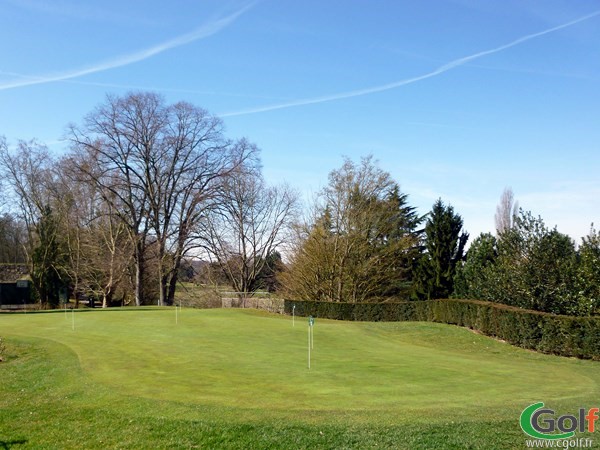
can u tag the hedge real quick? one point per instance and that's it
(543, 332)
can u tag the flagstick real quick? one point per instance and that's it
(73, 319)
(309, 346)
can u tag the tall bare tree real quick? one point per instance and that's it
(118, 141)
(189, 173)
(249, 222)
(98, 252)
(506, 212)
(107, 253)
(158, 165)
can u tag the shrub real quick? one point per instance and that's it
(548, 333)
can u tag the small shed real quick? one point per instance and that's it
(15, 286)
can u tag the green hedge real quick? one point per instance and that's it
(548, 333)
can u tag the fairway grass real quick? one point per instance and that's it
(134, 378)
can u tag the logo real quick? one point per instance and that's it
(540, 423)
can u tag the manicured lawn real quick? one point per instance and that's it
(133, 378)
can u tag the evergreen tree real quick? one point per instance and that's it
(445, 244)
(475, 278)
(532, 267)
(588, 273)
(402, 234)
(535, 268)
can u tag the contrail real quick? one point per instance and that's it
(386, 87)
(202, 32)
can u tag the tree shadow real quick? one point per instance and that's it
(6, 445)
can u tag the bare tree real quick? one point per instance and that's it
(188, 175)
(3, 191)
(107, 254)
(28, 171)
(250, 221)
(506, 211)
(158, 166)
(98, 251)
(12, 231)
(118, 142)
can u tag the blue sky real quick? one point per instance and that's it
(457, 99)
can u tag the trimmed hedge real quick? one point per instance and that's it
(548, 333)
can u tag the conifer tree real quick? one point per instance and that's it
(445, 244)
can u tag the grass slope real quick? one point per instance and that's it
(239, 379)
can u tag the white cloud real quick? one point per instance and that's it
(385, 87)
(204, 31)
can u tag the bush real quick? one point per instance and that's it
(548, 333)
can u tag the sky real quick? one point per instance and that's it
(457, 99)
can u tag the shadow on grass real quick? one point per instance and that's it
(10, 444)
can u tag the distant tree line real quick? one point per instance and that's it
(366, 243)
(146, 187)
(531, 266)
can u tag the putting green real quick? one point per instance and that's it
(248, 361)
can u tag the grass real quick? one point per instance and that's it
(133, 378)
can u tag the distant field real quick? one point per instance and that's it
(133, 378)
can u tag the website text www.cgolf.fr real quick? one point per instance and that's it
(561, 443)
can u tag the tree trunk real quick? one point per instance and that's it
(107, 292)
(139, 273)
(172, 286)
(162, 286)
